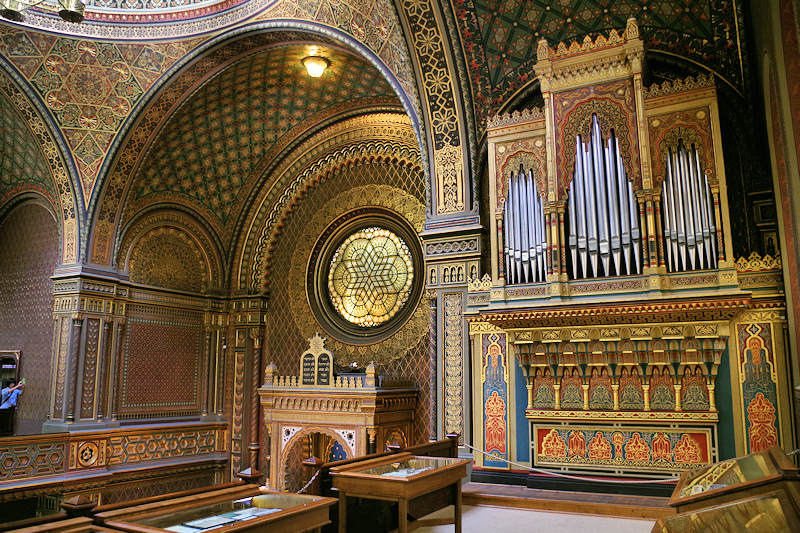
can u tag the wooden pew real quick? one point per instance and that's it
(372, 516)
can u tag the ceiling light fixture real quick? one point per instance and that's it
(69, 10)
(315, 65)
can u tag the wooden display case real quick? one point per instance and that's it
(236, 509)
(400, 478)
(756, 492)
(771, 512)
(737, 478)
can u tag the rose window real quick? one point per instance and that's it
(370, 277)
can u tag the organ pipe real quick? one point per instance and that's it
(524, 230)
(690, 232)
(604, 235)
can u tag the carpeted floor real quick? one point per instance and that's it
(486, 519)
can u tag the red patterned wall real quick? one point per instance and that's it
(28, 256)
(161, 363)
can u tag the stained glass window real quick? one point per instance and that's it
(370, 276)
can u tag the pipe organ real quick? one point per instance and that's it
(525, 243)
(603, 217)
(614, 332)
(688, 212)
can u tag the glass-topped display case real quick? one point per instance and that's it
(734, 479)
(407, 468)
(767, 513)
(400, 478)
(236, 509)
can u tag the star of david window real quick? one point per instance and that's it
(363, 278)
(370, 276)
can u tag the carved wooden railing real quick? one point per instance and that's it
(33, 461)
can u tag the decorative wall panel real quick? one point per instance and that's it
(150, 446)
(157, 486)
(90, 453)
(758, 377)
(169, 258)
(453, 363)
(29, 240)
(495, 368)
(90, 363)
(23, 460)
(157, 339)
(624, 448)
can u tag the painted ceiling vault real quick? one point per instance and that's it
(89, 87)
(207, 155)
(23, 166)
(499, 37)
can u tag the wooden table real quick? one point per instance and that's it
(400, 478)
(298, 513)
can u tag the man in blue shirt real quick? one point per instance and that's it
(10, 394)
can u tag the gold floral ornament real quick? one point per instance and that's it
(370, 277)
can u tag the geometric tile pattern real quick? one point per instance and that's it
(29, 460)
(26, 304)
(146, 390)
(364, 137)
(89, 86)
(151, 5)
(499, 37)
(63, 187)
(128, 449)
(213, 143)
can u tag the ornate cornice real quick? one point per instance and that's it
(756, 263)
(515, 117)
(669, 87)
(724, 308)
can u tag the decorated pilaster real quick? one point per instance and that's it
(247, 353)
(89, 317)
(451, 261)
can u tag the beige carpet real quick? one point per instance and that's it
(486, 519)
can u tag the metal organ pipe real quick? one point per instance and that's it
(603, 213)
(526, 241)
(690, 233)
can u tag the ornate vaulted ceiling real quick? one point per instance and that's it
(23, 166)
(499, 37)
(214, 148)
